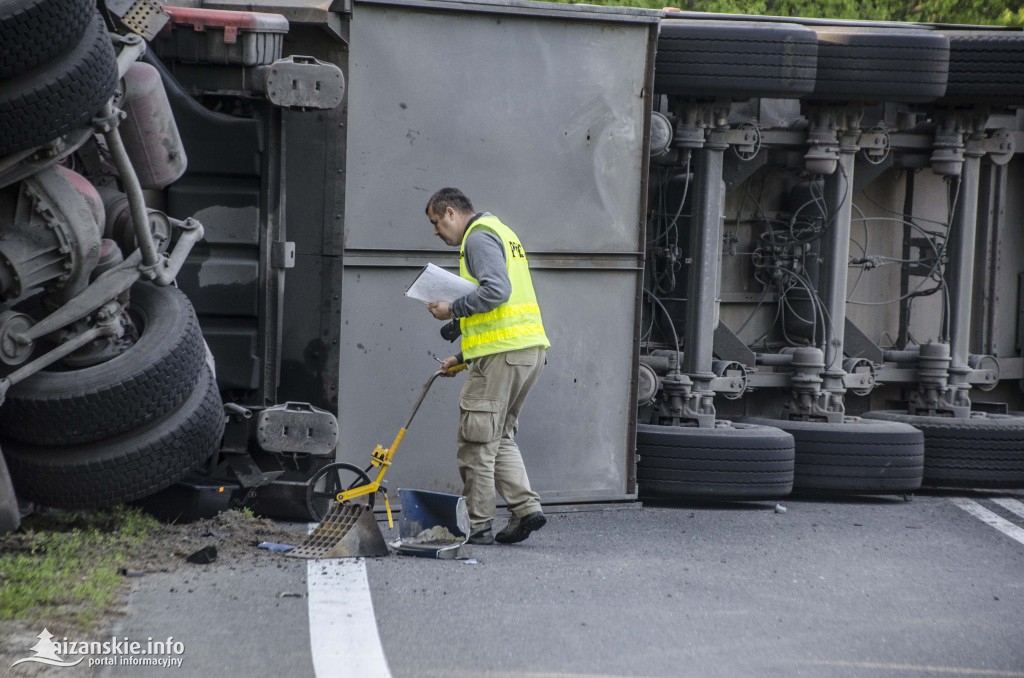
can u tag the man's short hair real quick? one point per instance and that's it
(449, 197)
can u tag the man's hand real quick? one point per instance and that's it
(440, 310)
(447, 364)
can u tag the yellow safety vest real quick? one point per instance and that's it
(516, 323)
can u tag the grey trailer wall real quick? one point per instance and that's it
(540, 114)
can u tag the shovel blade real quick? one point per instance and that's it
(349, 530)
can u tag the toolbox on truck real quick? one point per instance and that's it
(216, 36)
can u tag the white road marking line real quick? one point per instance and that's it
(904, 668)
(478, 673)
(989, 518)
(343, 634)
(1011, 505)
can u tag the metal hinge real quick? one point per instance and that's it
(282, 254)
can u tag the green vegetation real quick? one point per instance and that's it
(66, 565)
(988, 12)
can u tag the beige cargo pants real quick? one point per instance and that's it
(488, 457)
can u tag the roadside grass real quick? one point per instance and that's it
(65, 564)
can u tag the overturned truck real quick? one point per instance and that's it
(838, 254)
(775, 254)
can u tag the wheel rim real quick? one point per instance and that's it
(325, 484)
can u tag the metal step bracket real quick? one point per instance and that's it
(297, 427)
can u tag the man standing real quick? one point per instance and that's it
(503, 339)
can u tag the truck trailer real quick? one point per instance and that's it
(774, 254)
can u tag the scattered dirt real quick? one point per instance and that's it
(439, 534)
(234, 534)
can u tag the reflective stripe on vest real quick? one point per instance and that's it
(516, 323)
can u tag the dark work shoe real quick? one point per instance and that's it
(482, 536)
(519, 529)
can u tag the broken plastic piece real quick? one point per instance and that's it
(203, 556)
(274, 546)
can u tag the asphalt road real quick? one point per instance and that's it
(859, 587)
(868, 587)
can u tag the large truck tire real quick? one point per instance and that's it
(985, 451)
(985, 66)
(34, 31)
(737, 462)
(857, 457)
(131, 466)
(872, 64)
(151, 378)
(67, 92)
(10, 514)
(740, 59)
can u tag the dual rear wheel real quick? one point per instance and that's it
(123, 429)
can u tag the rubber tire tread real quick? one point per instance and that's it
(734, 59)
(744, 462)
(142, 384)
(131, 466)
(866, 457)
(47, 102)
(33, 32)
(986, 66)
(981, 452)
(863, 64)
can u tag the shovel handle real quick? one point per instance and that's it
(426, 387)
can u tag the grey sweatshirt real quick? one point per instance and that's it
(485, 260)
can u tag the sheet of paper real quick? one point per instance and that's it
(436, 284)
